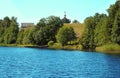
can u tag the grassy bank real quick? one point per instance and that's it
(109, 48)
(73, 47)
(9, 45)
(66, 47)
(17, 45)
(24, 45)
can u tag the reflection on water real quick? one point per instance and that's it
(43, 63)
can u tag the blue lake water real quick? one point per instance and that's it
(43, 63)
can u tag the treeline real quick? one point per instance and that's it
(44, 31)
(102, 29)
(8, 30)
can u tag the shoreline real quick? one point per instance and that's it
(43, 46)
(110, 52)
(47, 47)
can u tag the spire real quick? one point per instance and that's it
(65, 20)
(65, 14)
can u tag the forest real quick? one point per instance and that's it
(102, 29)
(101, 32)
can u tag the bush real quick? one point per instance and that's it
(109, 47)
(57, 46)
(50, 43)
(73, 47)
(53, 45)
(73, 42)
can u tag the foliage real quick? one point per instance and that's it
(25, 36)
(102, 29)
(20, 37)
(75, 21)
(73, 42)
(41, 36)
(50, 43)
(88, 35)
(78, 28)
(99, 30)
(65, 34)
(46, 30)
(57, 46)
(108, 47)
(101, 35)
(115, 37)
(73, 47)
(8, 30)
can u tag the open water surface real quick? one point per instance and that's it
(18, 62)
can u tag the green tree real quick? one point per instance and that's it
(10, 36)
(6, 22)
(65, 35)
(41, 36)
(1, 31)
(75, 21)
(20, 37)
(101, 35)
(116, 29)
(112, 11)
(41, 23)
(26, 39)
(46, 30)
(88, 35)
(26, 36)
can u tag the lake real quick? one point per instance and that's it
(18, 62)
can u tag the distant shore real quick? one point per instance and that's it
(65, 48)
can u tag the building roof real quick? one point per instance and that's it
(24, 25)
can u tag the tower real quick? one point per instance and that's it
(65, 20)
(65, 14)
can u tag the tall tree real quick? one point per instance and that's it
(112, 11)
(46, 30)
(88, 35)
(41, 23)
(101, 35)
(11, 32)
(116, 29)
(6, 22)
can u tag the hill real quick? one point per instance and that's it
(78, 28)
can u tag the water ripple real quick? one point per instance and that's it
(42, 63)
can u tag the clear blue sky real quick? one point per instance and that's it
(33, 10)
